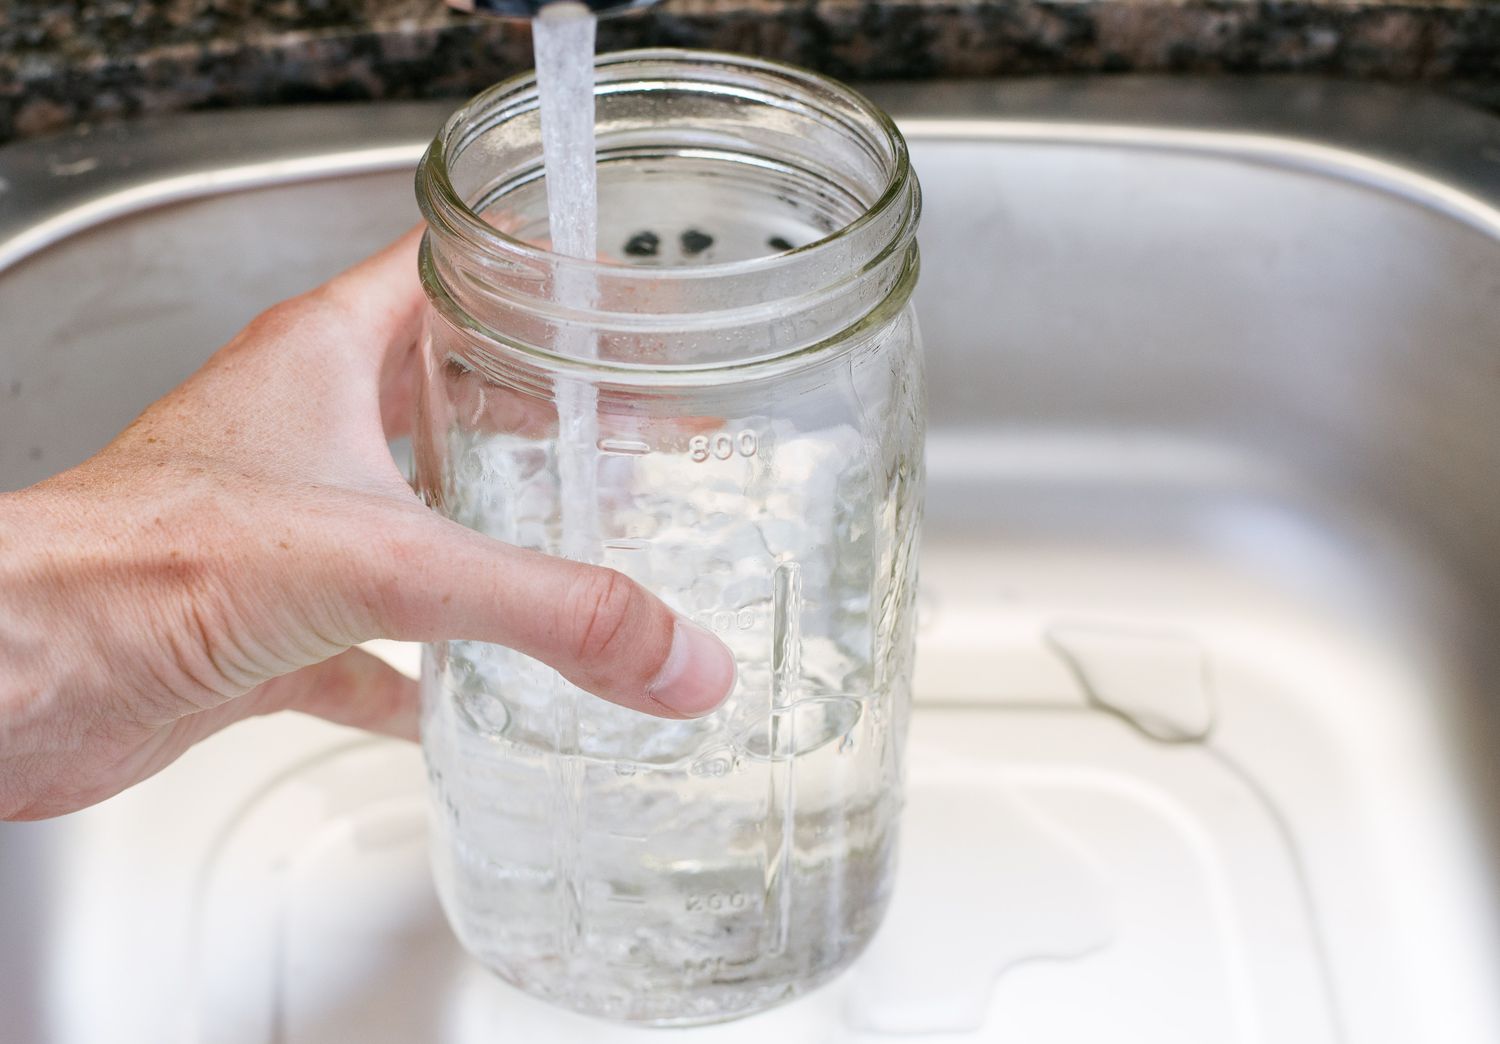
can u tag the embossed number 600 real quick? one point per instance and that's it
(723, 445)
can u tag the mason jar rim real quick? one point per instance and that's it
(446, 208)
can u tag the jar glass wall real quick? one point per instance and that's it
(742, 435)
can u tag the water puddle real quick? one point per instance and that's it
(1158, 682)
(1015, 888)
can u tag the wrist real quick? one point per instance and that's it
(29, 541)
(28, 685)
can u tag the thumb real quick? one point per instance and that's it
(598, 628)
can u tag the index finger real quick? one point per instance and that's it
(383, 297)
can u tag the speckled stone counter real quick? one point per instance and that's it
(62, 63)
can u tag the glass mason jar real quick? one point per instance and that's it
(733, 416)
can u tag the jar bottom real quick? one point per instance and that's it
(678, 207)
(657, 1006)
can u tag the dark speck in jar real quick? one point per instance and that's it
(643, 244)
(777, 243)
(695, 242)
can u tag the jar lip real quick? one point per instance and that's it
(680, 375)
(446, 208)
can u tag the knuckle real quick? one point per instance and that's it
(333, 299)
(604, 605)
(308, 318)
(281, 318)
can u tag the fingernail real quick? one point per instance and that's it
(698, 675)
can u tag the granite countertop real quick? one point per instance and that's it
(63, 63)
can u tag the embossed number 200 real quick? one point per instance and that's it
(723, 445)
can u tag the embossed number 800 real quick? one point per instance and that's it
(723, 445)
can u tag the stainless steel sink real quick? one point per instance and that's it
(1206, 733)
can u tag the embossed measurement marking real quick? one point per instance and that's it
(626, 447)
(716, 902)
(625, 544)
(723, 445)
(727, 619)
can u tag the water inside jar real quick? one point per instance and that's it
(673, 871)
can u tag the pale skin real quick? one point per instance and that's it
(221, 556)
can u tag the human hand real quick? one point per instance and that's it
(220, 557)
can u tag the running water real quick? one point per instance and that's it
(564, 38)
(563, 34)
